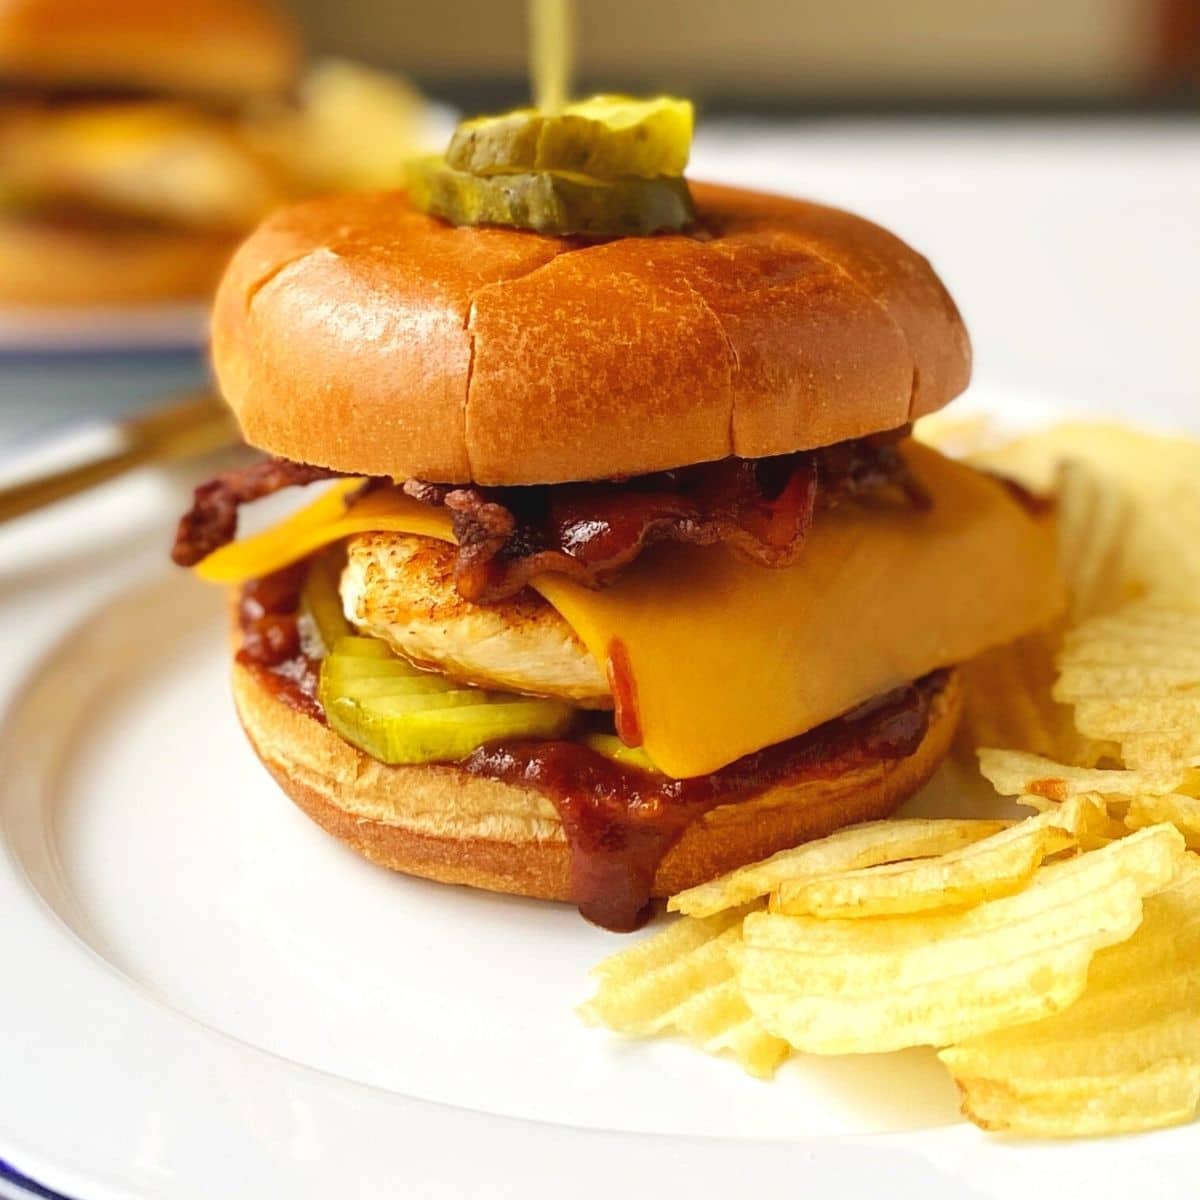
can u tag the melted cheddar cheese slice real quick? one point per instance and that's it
(726, 657)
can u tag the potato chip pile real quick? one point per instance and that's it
(1054, 960)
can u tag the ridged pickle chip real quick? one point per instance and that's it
(682, 981)
(875, 984)
(996, 866)
(397, 713)
(606, 137)
(856, 846)
(609, 746)
(1125, 1057)
(321, 604)
(552, 202)
(1133, 677)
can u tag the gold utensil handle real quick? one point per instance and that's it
(197, 424)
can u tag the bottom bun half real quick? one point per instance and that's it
(439, 822)
(49, 263)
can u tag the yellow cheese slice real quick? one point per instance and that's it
(727, 657)
(326, 520)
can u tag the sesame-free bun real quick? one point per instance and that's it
(221, 48)
(440, 822)
(55, 263)
(357, 333)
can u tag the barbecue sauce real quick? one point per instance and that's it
(273, 639)
(620, 822)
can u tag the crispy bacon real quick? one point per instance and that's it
(589, 532)
(211, 522)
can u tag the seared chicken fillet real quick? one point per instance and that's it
(400, 587)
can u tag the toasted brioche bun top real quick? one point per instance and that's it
(222, 48)
(359, 334)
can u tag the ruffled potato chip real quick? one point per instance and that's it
(865, 845)
(1181, 811)
(1133, 678)
(875, 984)
(1125, 1057)
(996, 866)
(1013, 773)
(682, 981)
(1094, 519)
(1007, 702)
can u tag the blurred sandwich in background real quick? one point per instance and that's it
(141, 139)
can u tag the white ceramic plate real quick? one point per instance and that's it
(201, 994)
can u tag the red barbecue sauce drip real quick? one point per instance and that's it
(273, 641)
(621, 822)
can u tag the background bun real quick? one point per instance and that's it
(43, 262)
(441, 823)
(359, 334)
(224, 48)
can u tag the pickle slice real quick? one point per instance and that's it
(321, 603)
(397, 713)
(348, 667)
(361, 676)
(448, 733)
(382, 687)
(366, 647)
(362, 666)
(611, 747)
(606, 137)
(551, 202)
(412, 730)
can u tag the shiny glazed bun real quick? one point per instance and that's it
(357, 333)
(440, 822)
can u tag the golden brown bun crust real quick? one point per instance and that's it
(46, 263)
(441, 823)
(220, 48)
(357, 333)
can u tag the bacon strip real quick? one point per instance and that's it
(211, 522)
(589, 532)
(761, 508)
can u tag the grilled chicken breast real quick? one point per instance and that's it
(400, 587)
